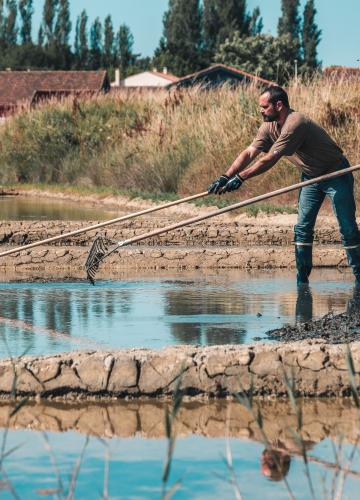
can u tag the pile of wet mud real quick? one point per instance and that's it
(332, 328)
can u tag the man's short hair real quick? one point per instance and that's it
(276, 94)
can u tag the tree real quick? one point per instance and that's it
(180, 47)
(211, 26)
(109, 43)
(9, 24)
(262, 55)
(311, 36)
(222, 18)
(125, 55)
(289, 23)
(2, 37)
(77, 40)
(41, 37)
(256, 23)
(81, 41)
(233, 17)
(49, 15)
(63, 24)
(95, 44)
(26, 13)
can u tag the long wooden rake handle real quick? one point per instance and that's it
(103, 224)
(241, 204)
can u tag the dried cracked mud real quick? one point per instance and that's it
(315, 368)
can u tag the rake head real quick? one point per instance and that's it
(98, 251)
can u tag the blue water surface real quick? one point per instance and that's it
(227, 307)
(132, 468)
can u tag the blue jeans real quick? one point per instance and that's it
(341, 193)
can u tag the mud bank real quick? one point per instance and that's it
(334, 329)
(321, 419)
(316, 368)
(243, 242)
(227, 231)
(70, 260)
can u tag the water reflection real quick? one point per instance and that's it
(353, 305)
(304, 304)
(321, 419)
(220, 308)
(37, 208)
(261, 457)
(209, 307)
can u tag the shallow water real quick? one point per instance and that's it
(31, 208)
(219, 307)
(126, 450)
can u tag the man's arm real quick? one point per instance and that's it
(242, 161)
(265, 163)
(262, 165)
(239, 170)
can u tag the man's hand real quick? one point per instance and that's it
(218, 184)
(232, 184)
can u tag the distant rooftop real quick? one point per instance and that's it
(218, 70)
(17, 86)
(342, 71)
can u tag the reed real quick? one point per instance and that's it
(164, 142)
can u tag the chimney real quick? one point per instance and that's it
(117, 77)
(165, 70)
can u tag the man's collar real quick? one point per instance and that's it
(278, 126)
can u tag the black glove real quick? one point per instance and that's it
(232, 184)
(219, 183)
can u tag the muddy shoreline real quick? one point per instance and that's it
(332, 328)
(315, 369)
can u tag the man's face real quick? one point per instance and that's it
(269, 111)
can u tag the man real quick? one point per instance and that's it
(286, 132)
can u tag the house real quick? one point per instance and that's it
(218, 75)
(341, 72)
(26, 88)
(147, 79)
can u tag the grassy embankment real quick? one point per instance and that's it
(160, 146)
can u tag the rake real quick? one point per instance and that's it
(103, 247)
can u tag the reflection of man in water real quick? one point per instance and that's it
(353, 305)
(275, 461)
(304, 304)
(275, 464)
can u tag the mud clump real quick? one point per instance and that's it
(332, 328)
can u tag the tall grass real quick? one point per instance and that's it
(164, 143)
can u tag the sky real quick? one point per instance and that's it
(338, 20)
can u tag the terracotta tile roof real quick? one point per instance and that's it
(167, 76)
(230, 69)
(16, 86)
(341, 71)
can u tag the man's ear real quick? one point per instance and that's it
(279, 105)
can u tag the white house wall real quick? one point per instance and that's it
(145, 79)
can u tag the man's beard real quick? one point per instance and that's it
(271, 118)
